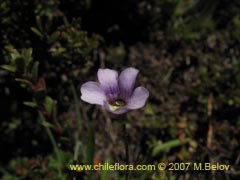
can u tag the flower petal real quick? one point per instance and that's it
(92, 93)
(127, 80)
(120, 110)
(138, 98)
(109, 81)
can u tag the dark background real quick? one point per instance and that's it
(188, 56)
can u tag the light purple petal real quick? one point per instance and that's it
(120, 110)
(109, 81)
(138, 98)
(92, 93)
(127, 80)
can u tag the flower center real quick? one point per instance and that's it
(119, 102)
(116, 104)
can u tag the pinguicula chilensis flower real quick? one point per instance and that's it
(115, 92)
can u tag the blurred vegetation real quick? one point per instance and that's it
(188, 56)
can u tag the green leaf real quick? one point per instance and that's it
(47, 124)
(24, 81)
(168, 145)
(30, 104)
(90, 150)
(54, 37)
(27, 55)
(15, 124)
(90, 147)
(39, 22)
(8, 68)
(14, 55)
(35, 71)
(49, 103)
(37, 32)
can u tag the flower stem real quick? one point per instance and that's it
(125, 139)
(54, 143)
(78, 128)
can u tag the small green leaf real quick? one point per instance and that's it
(168, 145)
(37, 32)
(24, 81)
(8, 68)
(90, 150)
(47, 124)
(90, 147)
(30, 104)
(35, 71)
(15, 124)
(49, 103)
(39, 22)
(27, 55)
(14, 55)
(54, 37)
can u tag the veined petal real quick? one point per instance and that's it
(127, 80)
(119, 110)
(138, 98)
(109, 81)
(92, 93)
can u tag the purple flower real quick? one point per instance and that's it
(115, 92)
